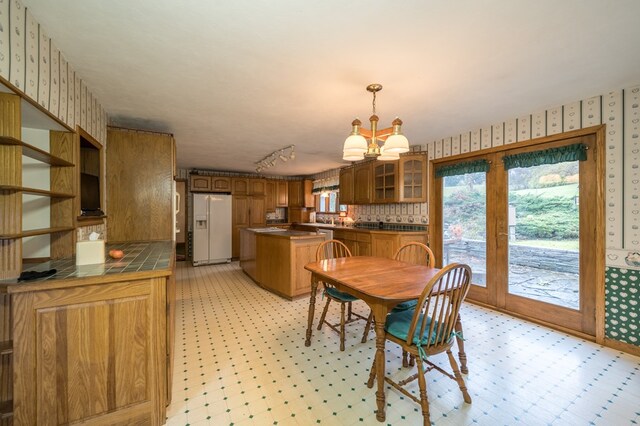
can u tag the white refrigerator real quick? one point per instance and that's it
(211, 228)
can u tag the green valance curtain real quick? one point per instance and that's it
(575, 152)
(325, 188)
(463, 168)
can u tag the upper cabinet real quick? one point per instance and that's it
(346, 185)
(413, 177)
(139, 190)
(385, 182)
(248, 186)
(220, 184)
(199, 183)
(380, 182)
(300, 193)
(282, 193)
(362, 183)
(276, 194)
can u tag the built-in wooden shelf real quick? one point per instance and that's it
(6, 347)
(35, 153)
(34, 232)
(35, 191)
(6, 409)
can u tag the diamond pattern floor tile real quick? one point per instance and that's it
(240, 359)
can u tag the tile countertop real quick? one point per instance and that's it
(139, 257)
(280, 233)
(387, 228)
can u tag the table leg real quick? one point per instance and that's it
(312, 308)
(462, 356)
(380, 363)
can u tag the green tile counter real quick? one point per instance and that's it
(103, 333)
(155, 258)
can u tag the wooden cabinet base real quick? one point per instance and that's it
(92, 353)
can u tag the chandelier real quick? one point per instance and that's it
(363, 143)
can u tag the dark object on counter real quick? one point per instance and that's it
(380, 225)
(32, 275)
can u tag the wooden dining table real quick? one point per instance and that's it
(382, 284)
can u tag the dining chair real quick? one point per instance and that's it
(330, 250)
(418, 254)
(429, 329)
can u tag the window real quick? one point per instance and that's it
(327, 202)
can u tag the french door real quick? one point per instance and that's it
(528, 219)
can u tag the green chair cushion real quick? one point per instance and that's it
(342, 296)
(398, 324)
(409, 304)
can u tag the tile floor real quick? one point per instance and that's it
(240, 359)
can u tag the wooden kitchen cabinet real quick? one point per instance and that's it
(412, 170)
(220, 184)
(300, 193)
(282, 193)
(362, 183)
(385, 182)
(270, 197)
(199, 183)
(358, 243)
(346, 185)
(246, 212)
(248, 186)
(139, 190)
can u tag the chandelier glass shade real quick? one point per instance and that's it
(365, 143)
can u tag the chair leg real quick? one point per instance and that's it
(412, 360)
(462, 356)
(324, 313)
(459, 379)
(350, 311)
(342, 326)
(424, 401)
(372, 372)
(367, 327)
(405, 361)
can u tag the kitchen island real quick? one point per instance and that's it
(93, 343)
(275, 259)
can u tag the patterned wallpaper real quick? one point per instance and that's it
(620, 111)
(32, 63)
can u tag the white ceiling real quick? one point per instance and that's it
(234, 80)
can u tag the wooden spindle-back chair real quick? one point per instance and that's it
(333, 249)
(429, 329)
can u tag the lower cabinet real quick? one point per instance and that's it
(93, 351)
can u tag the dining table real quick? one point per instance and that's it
(382, 284)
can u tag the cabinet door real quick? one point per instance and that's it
(295, 194)
(362, 184)
(413, 178)
(385, 182)
(282, 197)
(270, 197)
(240, 219)
(240, 186)
(384, 245)
(200, 183)
(220, 184)
(364, 249)
(257, 186)
(257, 211)
(346, 185)
(307, 188)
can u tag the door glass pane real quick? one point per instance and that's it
(464, 213)
(543, 233)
